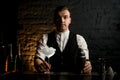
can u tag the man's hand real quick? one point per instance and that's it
(88, 67)
(42, 66)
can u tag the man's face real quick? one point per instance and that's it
(63, 20)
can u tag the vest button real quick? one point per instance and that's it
(61, 57)
(61, 60)
(61, 63)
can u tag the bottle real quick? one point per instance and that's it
(18, 60)
(6, 65)
(102, 70)
(3, 57)
(81, 61)
(11, 58)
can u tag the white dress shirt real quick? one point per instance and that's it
(62, 39)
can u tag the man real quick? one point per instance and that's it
(68, 48)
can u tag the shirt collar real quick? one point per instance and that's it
(65, 32)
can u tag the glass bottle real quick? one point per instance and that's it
(3, 54)
(10, 59)
(18, 60)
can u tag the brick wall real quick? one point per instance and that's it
(97, 20)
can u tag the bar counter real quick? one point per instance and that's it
(49, 76)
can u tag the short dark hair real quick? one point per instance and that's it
(58, 9)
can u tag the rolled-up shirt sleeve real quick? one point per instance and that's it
(42, 41)
(83, 45)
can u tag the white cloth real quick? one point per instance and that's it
(62, 41)
(48, 51)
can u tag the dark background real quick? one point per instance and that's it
(8, 27)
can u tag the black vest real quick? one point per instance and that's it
(69, 59)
